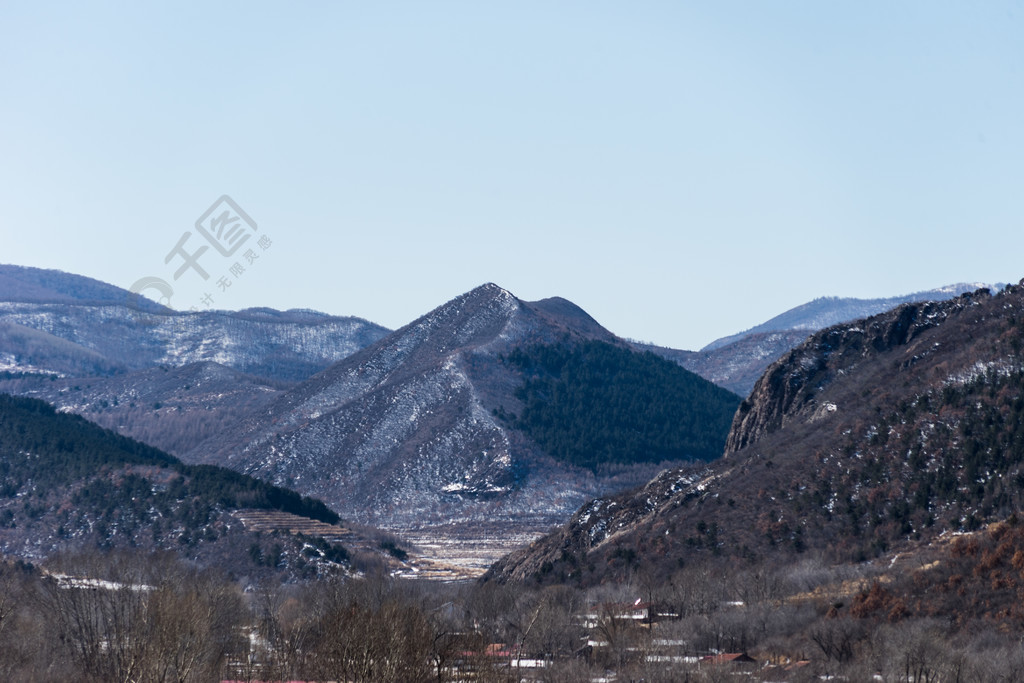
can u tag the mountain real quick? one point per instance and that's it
(440, 424)
(738, 364)
(828, 311)
(867, 438)
(55, 323)
(69, 485)
(737, 361)
(37, 285)
(444, 421)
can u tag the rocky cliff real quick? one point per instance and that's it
(871, 436)
(788, 389)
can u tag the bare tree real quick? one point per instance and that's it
(556, 634)
(369, 631)
(131, 617)
(694, 590)
(285, 624)
(94, 612)
(837, 638)
(25, 650)
(191, 627)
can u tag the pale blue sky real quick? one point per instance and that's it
(681, 170)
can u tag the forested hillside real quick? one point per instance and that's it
(893, 430)
(68, 483)
(43, 450)
(596, 403)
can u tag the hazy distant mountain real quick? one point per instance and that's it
(827, 311)
(52, 322)
(421, 427)
(737, 361)
(37, 285)
(737, 365)
(872, 435)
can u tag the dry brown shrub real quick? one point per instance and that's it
(965, 547)
(868, 603)
(1017, 561)
(898, 611)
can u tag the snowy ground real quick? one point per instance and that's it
(448, 553)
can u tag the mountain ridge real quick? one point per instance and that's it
(827, 311)
(67, 484)
(867, 437)
(410, 428)
(38, 285)
(69, 325)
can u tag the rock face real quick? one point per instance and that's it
(596, 526)
(868, 437)
(736, 362)
(787, 390)
(828, 311)
(737, 366)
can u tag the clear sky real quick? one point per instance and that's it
(681, 170)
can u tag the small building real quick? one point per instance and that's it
(631, 611)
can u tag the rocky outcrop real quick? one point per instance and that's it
(879, 434)
(738, 366)
(830, 311)
(600, 522)
(736, 362)
(787, 391)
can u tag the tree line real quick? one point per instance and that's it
(131, 616)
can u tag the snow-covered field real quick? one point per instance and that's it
(447, 553)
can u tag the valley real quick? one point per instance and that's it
(374, 423)
(521, 461)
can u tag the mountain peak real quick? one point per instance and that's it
(565, 313)
(410, 428)
(491, 287)
(874, 436)
(489, 290)
(826, 311)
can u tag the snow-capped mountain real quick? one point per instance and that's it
(737, 361)
(407, 432)
(403, 430)
(830, 310)
(55, 323)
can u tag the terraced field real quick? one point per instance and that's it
(267, 521)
